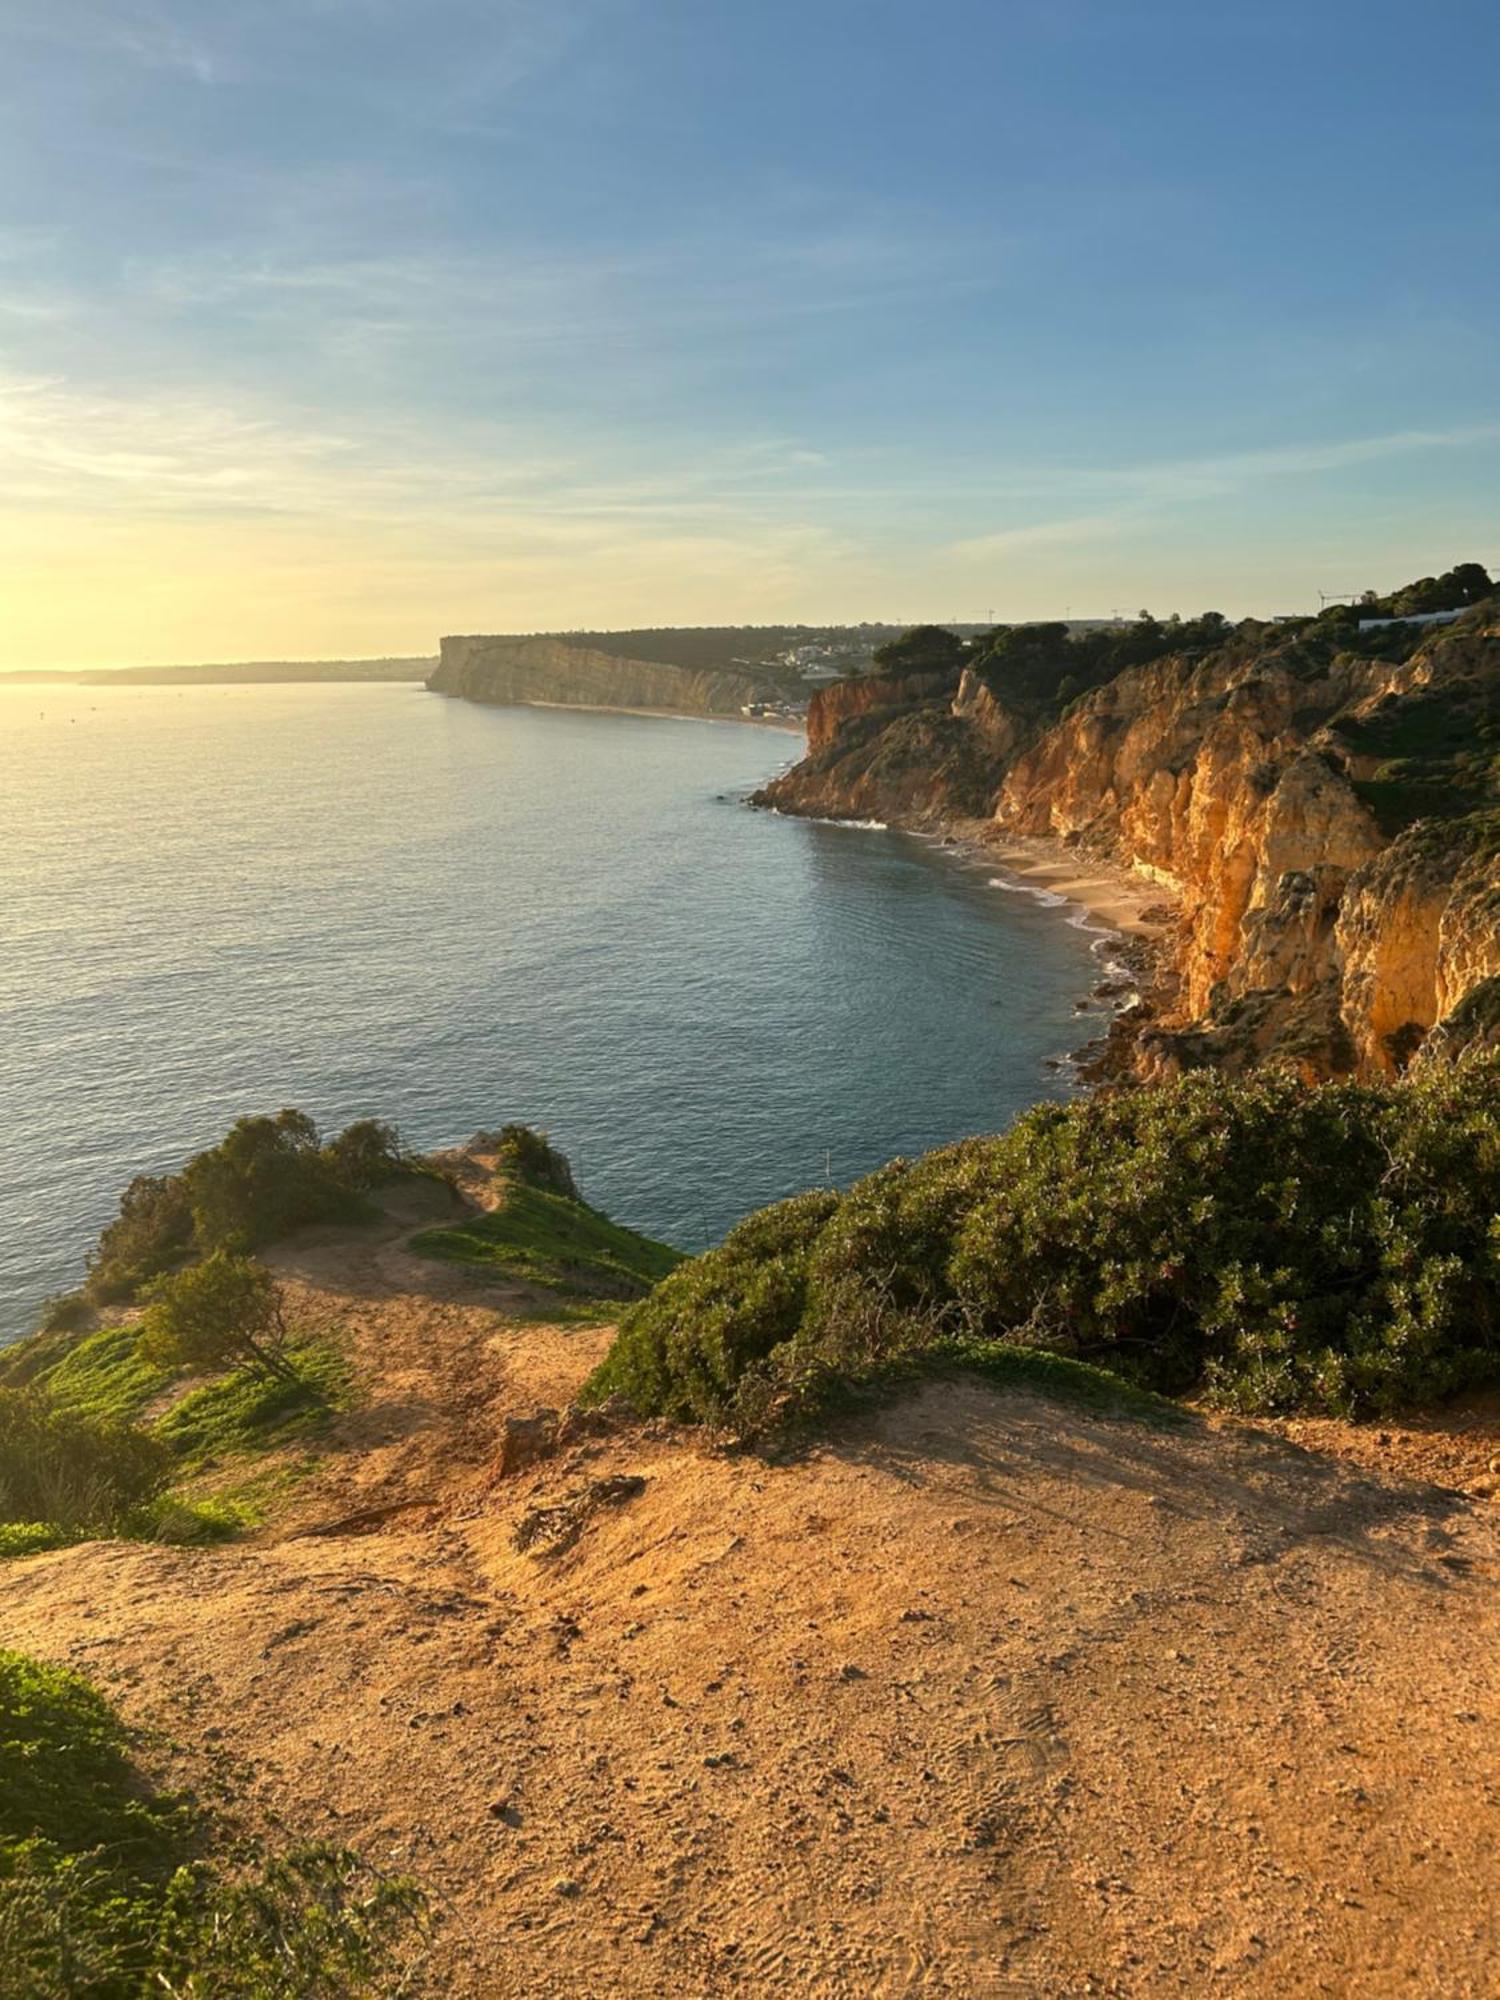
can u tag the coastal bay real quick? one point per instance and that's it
(357, 898)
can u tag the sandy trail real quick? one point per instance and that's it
(983, 1696)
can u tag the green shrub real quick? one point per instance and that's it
(72, 1471)
(1271, 1246)
(266, 1177)
(526, 1155)
(65, 1312)
(682, 1351)
(152, 1232)
(364, 1154)
(109, 1891)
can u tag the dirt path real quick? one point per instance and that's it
(985, 1696)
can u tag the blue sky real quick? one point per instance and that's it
(330, 325)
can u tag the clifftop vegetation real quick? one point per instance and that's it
(1047, 665)
(268, 1175)
(1271, 777)
(1268, 1246)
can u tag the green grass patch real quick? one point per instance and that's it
(246, 1411)
(543, 1238)
(104, 1376)
(213, 1482)
(215, 1509)
(34, 1538)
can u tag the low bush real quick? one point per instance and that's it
(364, 1154)
(152, 1232)
(683, 1350)
(112, 1891)
(1267, 1245)
(526, 1155)
(70, 1471)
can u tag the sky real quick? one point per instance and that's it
(330, 326)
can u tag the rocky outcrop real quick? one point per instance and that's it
(542, 669)
(843, 702)
(1337, 905)
(889, 749)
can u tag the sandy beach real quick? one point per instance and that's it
(1126, 902)
(796, 724)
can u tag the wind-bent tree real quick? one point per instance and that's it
(219, 1313)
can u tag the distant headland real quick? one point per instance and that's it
(230, 673)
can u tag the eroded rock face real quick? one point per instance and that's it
(508, 671)
(1417, 935)
(842, 702)
(1270, 793)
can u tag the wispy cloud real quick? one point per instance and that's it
(95, 454)
(688, 284)
(139, 31)
(1070, 531)
(1232, 472)
(1149, 492)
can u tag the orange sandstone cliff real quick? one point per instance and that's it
(1322, 805)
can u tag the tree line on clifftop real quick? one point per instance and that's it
(1050, 663)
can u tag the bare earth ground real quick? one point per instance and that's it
(983, 1696)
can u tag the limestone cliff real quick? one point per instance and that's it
(544, 669)
(1326, 819)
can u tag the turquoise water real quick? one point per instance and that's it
(371, 900)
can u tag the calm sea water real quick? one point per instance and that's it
(371, 900)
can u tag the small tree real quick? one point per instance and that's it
(925, 649)
(526, 1154)
(364, 1154)
(221, 1311)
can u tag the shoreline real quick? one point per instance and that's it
(796, 727)
(1123, 900)
(1130, 917)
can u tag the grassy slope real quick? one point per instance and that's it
(231, 1437)
(544, 1238)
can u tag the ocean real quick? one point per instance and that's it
(368, 900)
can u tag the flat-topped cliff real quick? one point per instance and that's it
(562, 671)
(1321, 801)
